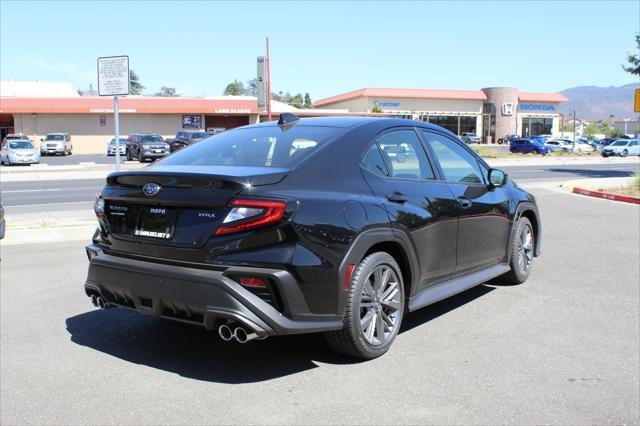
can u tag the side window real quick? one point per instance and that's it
(405, 156)
(373, 161)
(456, 162)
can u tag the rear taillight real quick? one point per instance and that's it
(247, 214)
(98, 206)
(253, 282)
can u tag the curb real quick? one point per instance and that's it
(606, 195)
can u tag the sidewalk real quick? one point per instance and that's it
(559, 161)
(598, 183)
(67, 172)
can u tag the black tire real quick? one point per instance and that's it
(128, 155)
(141, 159)
(519, 274)
(350, 340)
(625, 153)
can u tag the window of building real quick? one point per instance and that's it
(405, 156)
(467, 124)
(449, 122)
(534, 126)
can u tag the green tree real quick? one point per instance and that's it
(167, 92)
(376, 108)
(633, 60)
(307, 100)
(236, 88)
(134, 82)
(296, 101)
(252, 87)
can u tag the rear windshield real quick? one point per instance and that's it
(54, 138)
(255, 146)
(153, 138)
(200, 135)
(20, 145)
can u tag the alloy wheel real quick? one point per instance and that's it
(525, 249)
(380, 305)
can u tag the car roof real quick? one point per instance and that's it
(355, 121)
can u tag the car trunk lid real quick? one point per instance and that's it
(179, 206)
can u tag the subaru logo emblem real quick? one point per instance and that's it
(151, 189)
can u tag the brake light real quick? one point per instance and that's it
(98, 206)
(253, 282)
(248, 214)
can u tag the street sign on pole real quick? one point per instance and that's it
(113, 76)
(262, 84)
(636, 104)
(113, 80)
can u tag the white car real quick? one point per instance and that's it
(111, 147)
(622, 147)
(558, 145)
(580, 146)
(19, 151)
(56, 143)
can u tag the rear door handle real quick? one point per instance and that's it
(464, 202)
(397, 197)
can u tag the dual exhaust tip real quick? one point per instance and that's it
(239, 333)
(226, 333)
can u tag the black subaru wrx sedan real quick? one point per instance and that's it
(337, 225)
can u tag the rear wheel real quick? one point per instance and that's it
(375, 305)
(522, 249)
(625, 153)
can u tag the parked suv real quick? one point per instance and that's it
(56, 143)
(145, 147)
(470, 137)
(308, 225)
(185, 138)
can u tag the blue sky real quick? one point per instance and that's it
(324, 48)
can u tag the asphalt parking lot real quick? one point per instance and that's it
(561, 348)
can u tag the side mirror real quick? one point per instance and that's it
(497, 178)
(41, 140)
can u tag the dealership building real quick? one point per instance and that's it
(38, 108)
(491, 113)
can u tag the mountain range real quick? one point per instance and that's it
(598, 103)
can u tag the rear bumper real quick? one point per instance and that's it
(202, 296)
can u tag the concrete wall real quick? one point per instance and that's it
(87, 136)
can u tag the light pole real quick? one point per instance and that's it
(573, 148)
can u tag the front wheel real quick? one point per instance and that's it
(522, 250)
(375, 306)
(625, 153)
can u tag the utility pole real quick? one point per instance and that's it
(268, 82)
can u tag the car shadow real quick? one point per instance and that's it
(193, 352)
(590, 173)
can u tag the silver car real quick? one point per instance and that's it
(56, 143)
(111, 148)
(19, 151)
